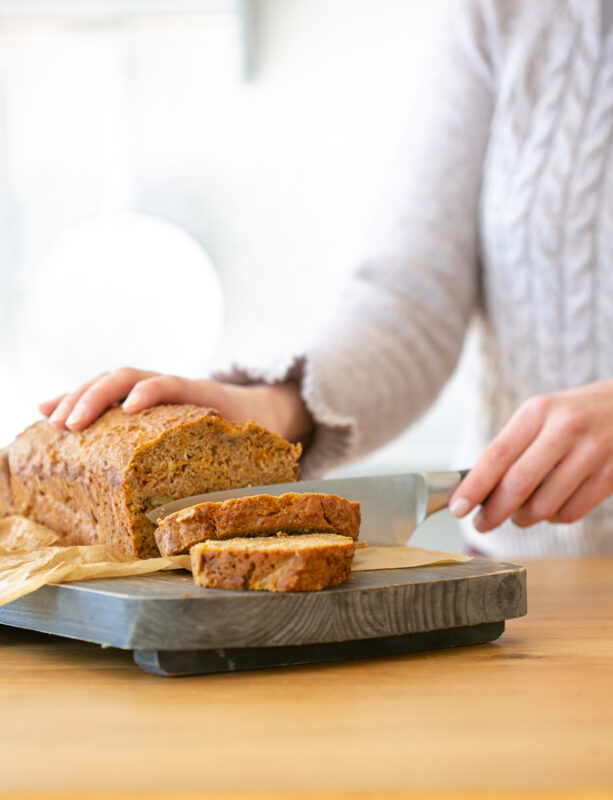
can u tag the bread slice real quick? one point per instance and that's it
(279, 563)
(258, 515)
(95, 486)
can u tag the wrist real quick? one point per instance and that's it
(290, 416)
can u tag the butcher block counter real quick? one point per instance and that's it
(528, 715)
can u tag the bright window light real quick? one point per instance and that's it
(116, 290)
(100, 9)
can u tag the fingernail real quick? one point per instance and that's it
(460, 507)
(77, 416)
(57, 418)
(132, 400)
(480, 523)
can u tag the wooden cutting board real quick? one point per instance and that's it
(177, 628)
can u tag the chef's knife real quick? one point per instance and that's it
(392, 506)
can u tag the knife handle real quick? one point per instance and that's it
(440, 487)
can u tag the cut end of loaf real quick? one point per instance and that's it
(205, 456)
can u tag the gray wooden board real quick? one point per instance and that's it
(199, 662)
(165, 611)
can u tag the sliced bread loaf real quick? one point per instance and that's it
(94, 487)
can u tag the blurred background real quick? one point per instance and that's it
(185, 183)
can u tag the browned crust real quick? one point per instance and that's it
(87, 486)
(104, 448)
(6, 501)
(258, 515)
(273, 564)
(114, 439)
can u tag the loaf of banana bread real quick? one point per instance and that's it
(279, 563)
(95, 486)
(258, 515)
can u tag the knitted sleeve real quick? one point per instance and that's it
(398, 330)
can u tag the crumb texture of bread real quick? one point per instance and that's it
(95, 486)
(280, 563)
(258, 515)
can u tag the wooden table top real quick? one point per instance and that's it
(531, 712)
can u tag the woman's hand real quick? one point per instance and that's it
(278, 408)
(552, 461)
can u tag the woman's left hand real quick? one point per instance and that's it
(552, 461)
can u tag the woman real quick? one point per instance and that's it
(503, 210)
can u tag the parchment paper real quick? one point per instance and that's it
(402, 556)
(29, 559)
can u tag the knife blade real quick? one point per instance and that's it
(392, 506)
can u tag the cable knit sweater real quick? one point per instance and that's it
(503, 212)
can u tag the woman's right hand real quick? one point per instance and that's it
(278, 408)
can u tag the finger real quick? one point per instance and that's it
(497, 458)
(559, 486)
(593, 491)
(49, 406)
(168, 389)
(102, 393)
(62, 410)
(522, 479)
(68, 401)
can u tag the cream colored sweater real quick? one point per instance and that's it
(503, 212)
